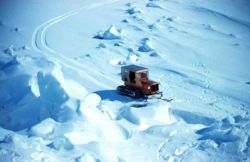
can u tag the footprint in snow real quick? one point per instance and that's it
(153, 26)
(154, 54)
(15, 29)
(130, 4)
(208, 27)
(133, 11)
(101, 45)
(236, 44)
(153, 5)
(125, 21)
(145, 45)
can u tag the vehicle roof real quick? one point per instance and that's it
(134, 68)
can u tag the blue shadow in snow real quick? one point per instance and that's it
(193, 118)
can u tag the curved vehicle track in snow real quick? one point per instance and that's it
(39, 43)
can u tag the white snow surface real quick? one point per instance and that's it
(60, 66)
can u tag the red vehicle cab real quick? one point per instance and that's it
(136, 82)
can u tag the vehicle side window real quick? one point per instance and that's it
(132, 76)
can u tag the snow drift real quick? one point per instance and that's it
(57, 80)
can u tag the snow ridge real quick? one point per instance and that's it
(58, 100)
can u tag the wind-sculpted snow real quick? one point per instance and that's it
(228, 18)
(21, 93)
(228, 137)
(55, 107)
(60, 66)
(109, 34)
(20, 148)
(155, 114)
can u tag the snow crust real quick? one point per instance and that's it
(58, 79)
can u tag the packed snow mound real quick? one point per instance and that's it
(227, 136)
(133, 58)
(86, 158)
(44, 128)
(158, 113)
(217, 136)
(117, 62)
(109, 34)
(81, 137)
(41, 94)
(90, 111)
(15, 147)
(92, 100)
(71, 87)
(112, 109)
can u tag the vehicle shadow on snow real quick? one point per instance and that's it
(113, 95)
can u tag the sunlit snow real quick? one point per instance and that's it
(60, 64)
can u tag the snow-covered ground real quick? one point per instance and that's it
(60, 65)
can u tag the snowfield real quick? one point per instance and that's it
(60, 66)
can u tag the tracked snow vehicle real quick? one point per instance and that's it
(136, 82)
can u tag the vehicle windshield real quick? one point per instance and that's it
(144, 75)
